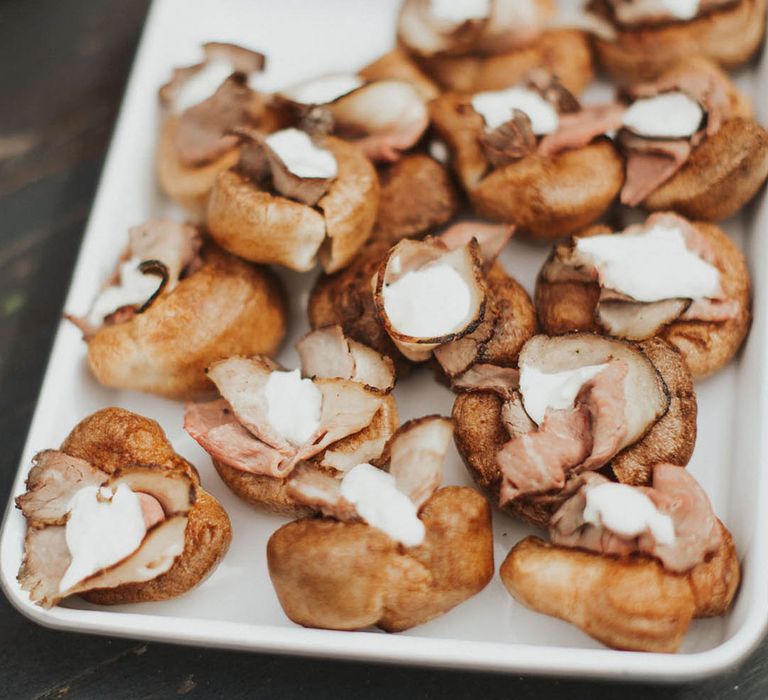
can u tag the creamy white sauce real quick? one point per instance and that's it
(300, 155)
(103, 528)
(460, 10)
(651, 265)
(496, 108)
(200, 86)
(378, 501)
(682, 9)
(627, 512)
(323, 90)
(293, 406)
(669, 115)
(134, 289)
(556, 391)
(439, 151)
(429, 302)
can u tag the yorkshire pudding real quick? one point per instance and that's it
(184, 532)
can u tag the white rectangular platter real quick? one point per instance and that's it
(236, 607)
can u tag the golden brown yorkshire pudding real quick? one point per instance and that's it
(707, 331)
(398, 65)
(202, 104)
(264, 212)
(503, 322)
(343, 410)
(173, 307)
(496, 151)
(619, 426)
(493, 47)
(392, 550)
(116, 516)
(726, 31)
(630, 566)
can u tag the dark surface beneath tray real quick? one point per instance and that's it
(63, 66)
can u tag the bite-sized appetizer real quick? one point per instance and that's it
(640, 39)
(444, 297)
(631, 566)
(387, 118)
(472, 45)
(174, 305)
(685, 282)
(116, 516)
(689, 139)
(496, 140)
(392, 550)
(202, 104)
(334, 413)
(292, 199)
(579, 403)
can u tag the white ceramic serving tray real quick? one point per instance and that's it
(236, 607)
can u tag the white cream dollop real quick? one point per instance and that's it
(301, 156)
(104, 527)
(429, 302)
(202, 84)
(627, 512)
(293, 406)
(323, 90)
(555, 390)
(458, 11)
(133, 289)
(682, 9)
(650, 265)
(668, 115)
(496, 107)
(378, 501)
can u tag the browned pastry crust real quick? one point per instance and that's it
(268, 228)
(729, 36)
(479, 434)
(564, 52)
(417, 195)
(628, 603)
(271, 494)
(227, 307)
(720, 176)
(346, 576)
(705, 346)
(346, 299)
(545, 196)
(114, 437)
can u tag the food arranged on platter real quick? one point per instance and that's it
(574, 412)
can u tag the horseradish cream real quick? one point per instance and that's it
(325, 89)
(458, 11)
(104, 527)
(669, 115)
(556, 391)
(378, 501)
(650, 265)
(429, 302)
(627, 512)
(133, 289)
(496, 108)
(293, 406)
(300, 155)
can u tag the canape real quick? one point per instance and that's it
(491, 44)
(639, 40)
(387, 117)
(175, 304)
(201, 105)
(685, 282)
(496, 142)
(689, 139)
(444, 298)
(392, 550)
(116, 516)
(580, 402)
(631, 566)
(268, 422)
(293, 199)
